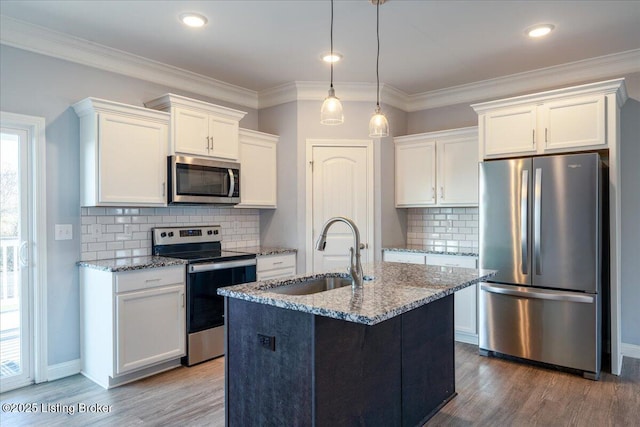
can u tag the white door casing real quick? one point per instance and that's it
(339, 183)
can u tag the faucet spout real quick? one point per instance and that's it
(355, 268)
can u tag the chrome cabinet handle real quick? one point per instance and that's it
(524, 214)
(164, 185)
(545, 135)
(536, 220)
(433, 193)
(533, 137)
(442, 192)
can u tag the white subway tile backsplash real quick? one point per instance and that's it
(240, 228)
(444, 229)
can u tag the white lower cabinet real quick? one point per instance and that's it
(132, 323)
(278, 266)
(465, 306)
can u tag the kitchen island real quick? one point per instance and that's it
(380, 355)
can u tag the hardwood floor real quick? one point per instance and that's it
(491, 392)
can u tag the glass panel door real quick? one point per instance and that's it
(15, 328)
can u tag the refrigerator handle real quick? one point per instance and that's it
(524, 220)
(538, 294)
(536, 220)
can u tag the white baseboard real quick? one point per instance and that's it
(630, 350)
(64, 369)
(466, 337)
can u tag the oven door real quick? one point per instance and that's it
(205, 308)
(196, 180)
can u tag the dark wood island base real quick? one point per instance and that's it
(286, 367)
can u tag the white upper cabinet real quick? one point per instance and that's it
(258, 170)
(563, 120)
(123, 152)
(200, 128)
(437, 168)
(415, 171)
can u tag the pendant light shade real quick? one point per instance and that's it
(331, 111)
(378, 125)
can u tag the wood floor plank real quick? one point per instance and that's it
(491, 392)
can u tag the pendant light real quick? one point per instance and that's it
(331, 111)
(378, 125)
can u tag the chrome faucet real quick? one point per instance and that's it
(355, 269)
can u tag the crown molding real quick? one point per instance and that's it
(22, 35)
(613, 65)
(33, 38)
(317, 91)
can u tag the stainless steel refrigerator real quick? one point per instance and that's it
(541, 228)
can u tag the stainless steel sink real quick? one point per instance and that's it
(312, 286)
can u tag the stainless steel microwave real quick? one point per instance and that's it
(195, 180)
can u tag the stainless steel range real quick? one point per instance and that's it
(209, 268)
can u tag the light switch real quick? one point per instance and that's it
(64, 232)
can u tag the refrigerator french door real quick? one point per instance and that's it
(540, 227)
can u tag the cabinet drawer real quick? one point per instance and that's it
(149, 278)
(452, 261)
(276, 262)
(281, 273)
(405, 257)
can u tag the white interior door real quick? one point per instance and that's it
(342, 185)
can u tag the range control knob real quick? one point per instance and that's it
(215, 231)
(210, 232)
(171, 234)
(163, 234)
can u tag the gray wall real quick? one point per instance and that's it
(38, 85)
(630, 193)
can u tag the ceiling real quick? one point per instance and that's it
(425, 45)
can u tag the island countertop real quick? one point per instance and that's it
(395, 289)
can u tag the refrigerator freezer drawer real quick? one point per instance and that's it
(555, 327)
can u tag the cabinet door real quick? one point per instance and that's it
(258, 173)
(150, 327)
(510, 131)
(223, 134)
(132, 160)
(573, 123)
(191, 131)
(458, 172)
(465, 300)
(415, 174)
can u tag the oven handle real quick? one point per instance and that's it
(211, 266)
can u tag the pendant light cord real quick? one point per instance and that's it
(331, 37)
(378, 53)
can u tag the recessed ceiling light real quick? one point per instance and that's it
(539, 30)
(194, 20)
(327, 57)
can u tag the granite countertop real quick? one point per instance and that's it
(132, 263)
(395, 289)
(422, 250)
(263, 250)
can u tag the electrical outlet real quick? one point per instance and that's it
(64, 231)
(267, 342)
(95, 230)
